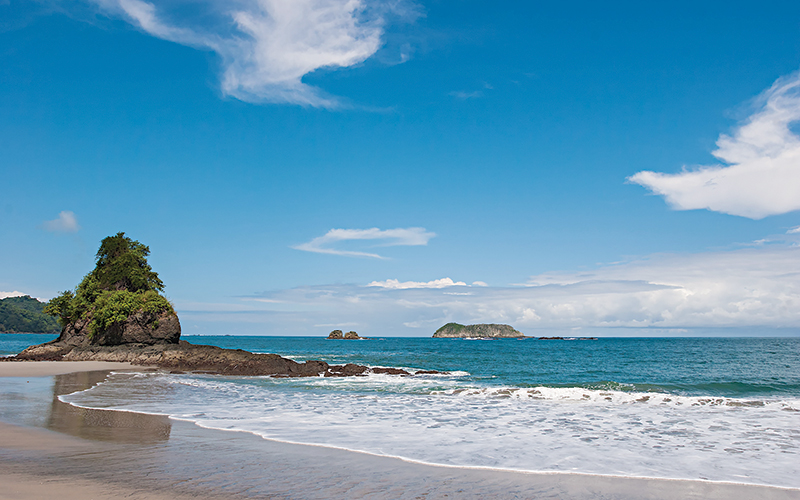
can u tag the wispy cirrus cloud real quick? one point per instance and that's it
(463, 95)
(762, 172)
(393, 284)
(268, 46)
(66, 222)
(411, 236)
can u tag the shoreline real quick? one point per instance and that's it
(130, 443)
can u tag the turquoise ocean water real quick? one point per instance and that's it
(725, 409)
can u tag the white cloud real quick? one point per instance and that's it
(762, 175)
(411, 236)
(66, 222)
(462, 95)
(794, 230)
(5, 295)
(404, 285)
(268, 46)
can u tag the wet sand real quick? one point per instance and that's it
(48, 368)
(51, 449)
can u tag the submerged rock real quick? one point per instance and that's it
(455, 330)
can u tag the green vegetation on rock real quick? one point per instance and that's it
(450, 327)
(493, 331)
(25, 315)
(122, 284)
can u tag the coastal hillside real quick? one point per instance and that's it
(455, 330)
(25, 315)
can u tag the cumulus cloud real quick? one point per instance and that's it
(794, 230)
(15, 293)
(752, 288)
(411, 236)
(761, 175)
(268, 46)
(66, 222)
(404, 285)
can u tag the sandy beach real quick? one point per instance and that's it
(49, 448)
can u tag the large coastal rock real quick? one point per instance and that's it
(139, 328)
(454, 330)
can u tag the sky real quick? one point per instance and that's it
(389, 166)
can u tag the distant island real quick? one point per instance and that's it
(25, 315)
(457, 331)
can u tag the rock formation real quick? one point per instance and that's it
(336, 334)
(455, 330)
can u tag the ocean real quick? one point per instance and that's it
(721, 409)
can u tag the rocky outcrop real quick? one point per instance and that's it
(139, 328)
(338, 335)
(454, 330)
(186, 357)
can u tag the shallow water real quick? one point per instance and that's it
(719, 409)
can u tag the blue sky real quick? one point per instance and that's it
(295, 166)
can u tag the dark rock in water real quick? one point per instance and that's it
(390, 371)
(338, 335)
(428, 372)
(348, 370)
(454, 330)
(551, 338)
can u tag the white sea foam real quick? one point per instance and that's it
(448, 420)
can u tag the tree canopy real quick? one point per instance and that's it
(122, 265)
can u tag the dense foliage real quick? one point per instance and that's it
(121, 284)
(25, 315)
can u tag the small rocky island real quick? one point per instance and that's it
(493, 331)
(117, 313)
(338, 335)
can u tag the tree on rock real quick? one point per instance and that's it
(122, 265)
(118, 302)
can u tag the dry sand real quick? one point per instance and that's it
(101, 454)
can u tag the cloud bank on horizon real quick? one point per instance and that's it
(762, 175)
(411, 236)
(267, 46)
(751, 287)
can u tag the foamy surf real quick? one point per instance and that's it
(451, 420)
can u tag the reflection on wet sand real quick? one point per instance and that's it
(103, 425)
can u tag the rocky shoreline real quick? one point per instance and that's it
(185, 357)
